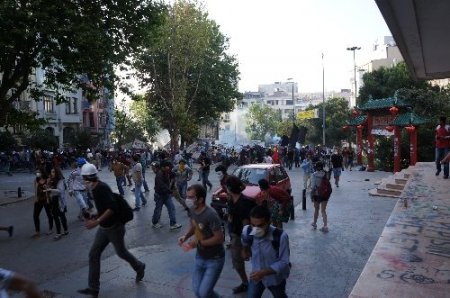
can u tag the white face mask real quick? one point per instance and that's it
(258, 232)
(190, 203)
(38, 175)
(220, 175)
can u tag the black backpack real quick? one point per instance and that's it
(124, 210)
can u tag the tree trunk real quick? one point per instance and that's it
(174, 137)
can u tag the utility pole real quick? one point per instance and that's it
(323, 103)
(354, 49)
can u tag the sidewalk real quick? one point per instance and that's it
(412, 256)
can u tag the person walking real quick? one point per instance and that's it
(111, 230)
(336, 161)
(56, 192)
(207, 228)
(277, 200)
(239, 207)
(136, 173)
(268, 248)
(183, 174)
(319, 202)
(308, 169)
(442, 136)
(205, 163)
(163, 195)
(41, 202)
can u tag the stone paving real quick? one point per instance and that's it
(412, 257)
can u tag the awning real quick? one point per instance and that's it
(421, 31)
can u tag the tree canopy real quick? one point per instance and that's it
(76, 43)
(262, 121)
(189, 76)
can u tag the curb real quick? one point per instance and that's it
(9, 201)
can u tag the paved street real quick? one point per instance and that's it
(324, 265)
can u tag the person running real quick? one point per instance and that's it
(205, 164)
(41, 202)
(268, 248)
(239, 207)
(12, 281)
(207, 228)
(111, 230)
(319, 202)
(77, 188)
(119, 170)
(163, 195)
(56, 192)
(9, 229)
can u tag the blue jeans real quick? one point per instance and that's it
(440, 154)
(138, 195)
(256, 289)
(120, 181)
(182, 188)
(166, 200)
(103, 237)
(205, 276)
(205, 179)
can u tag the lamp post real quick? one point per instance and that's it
(323, 103)
(293, 99)
(354, 49)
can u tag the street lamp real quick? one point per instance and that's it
(354, 49)
(293, 99)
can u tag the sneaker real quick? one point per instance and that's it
(136, 209)
(240, 289)
(89, 291)
(10, 231)
(438, 172)
(49, 232)
(446, 177)
(314, 225)
(140, 273)
(57, 237)
(36, 235)
(157, 226)
(66, 233)
(324, 229)
(175, 226)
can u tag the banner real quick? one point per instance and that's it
(310, 114)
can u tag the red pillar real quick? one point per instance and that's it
(359, 129)
(397, 152)
(413, 147)
(370, 149)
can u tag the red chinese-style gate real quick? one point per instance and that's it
(385, 117)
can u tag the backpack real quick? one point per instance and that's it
(324, 190)
(124, 210)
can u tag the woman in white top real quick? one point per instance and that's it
(57, 195)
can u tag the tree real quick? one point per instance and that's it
(127, 129)
(262, 120)
(7, 141)
(77, 44)
(41, 139)
(337, 112)
(190, 78)
(143, 117)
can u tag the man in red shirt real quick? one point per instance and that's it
(442, 133)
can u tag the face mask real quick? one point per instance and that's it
(220, 175)
(258, 232)
(38, 175)
(190, 203)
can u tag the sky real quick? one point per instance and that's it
(274, 40)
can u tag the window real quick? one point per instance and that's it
(48, 104)
(71, 105)
(91, 119)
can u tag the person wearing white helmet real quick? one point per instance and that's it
(77, 188)
(111, 229)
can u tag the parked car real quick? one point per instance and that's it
(250, 175)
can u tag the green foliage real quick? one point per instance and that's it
(41, 139)
(127, 129)
(189, 75)
(262, 120)
(142, 115)
(82, 139)
(383, 83)
(77, 43)
(7, 141)
(337, 113)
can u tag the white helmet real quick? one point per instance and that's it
(88, 169)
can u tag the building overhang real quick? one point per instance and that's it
(421, 31)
